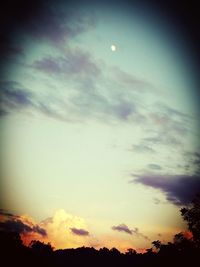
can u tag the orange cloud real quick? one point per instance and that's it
(59, 232)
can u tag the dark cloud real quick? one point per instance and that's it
(154, 166)
(179, 189)
(122, 228)
(20, 227)
(80, 232)
(55, 23)
(15, 226)
(39, 230)
(14, 223)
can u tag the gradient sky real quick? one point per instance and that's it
(102, 143)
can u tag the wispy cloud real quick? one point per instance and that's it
(179, 189)
(154, 166)
(124, 228)
(162, 138)
(164, 121)
(75, 63)
(142, 148)
(131, 82)
(13, 96)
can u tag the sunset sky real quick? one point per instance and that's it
(99, 126)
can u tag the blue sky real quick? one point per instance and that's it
(109, 136)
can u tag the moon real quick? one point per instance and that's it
(113, 47)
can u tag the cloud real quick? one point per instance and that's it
(5, 213)
(13, 96)
(165, 126)
(62, 230)
(162, 138)
(156, 200)
(192, 160)
(179, 189)
(87, 102)
(39, 230)
(167, 122)
(142, 148)
(197, 158)
(80, 232)
(127, 80)
(154, 166)
(13, 223)
(74, 63)
(66, 230)
(89, 99)
(139, 234)
(56, 23)
(122, 228)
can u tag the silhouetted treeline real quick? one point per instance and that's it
(183, 251)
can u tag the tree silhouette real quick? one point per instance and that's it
(191, 214)
(41, 247)
(183, 251)
(131, 252)
(157, 244)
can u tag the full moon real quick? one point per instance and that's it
(113, 48)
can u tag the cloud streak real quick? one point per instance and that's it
(74, 63)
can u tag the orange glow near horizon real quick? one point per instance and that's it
(56, 230)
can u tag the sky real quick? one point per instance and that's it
(99, 146)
